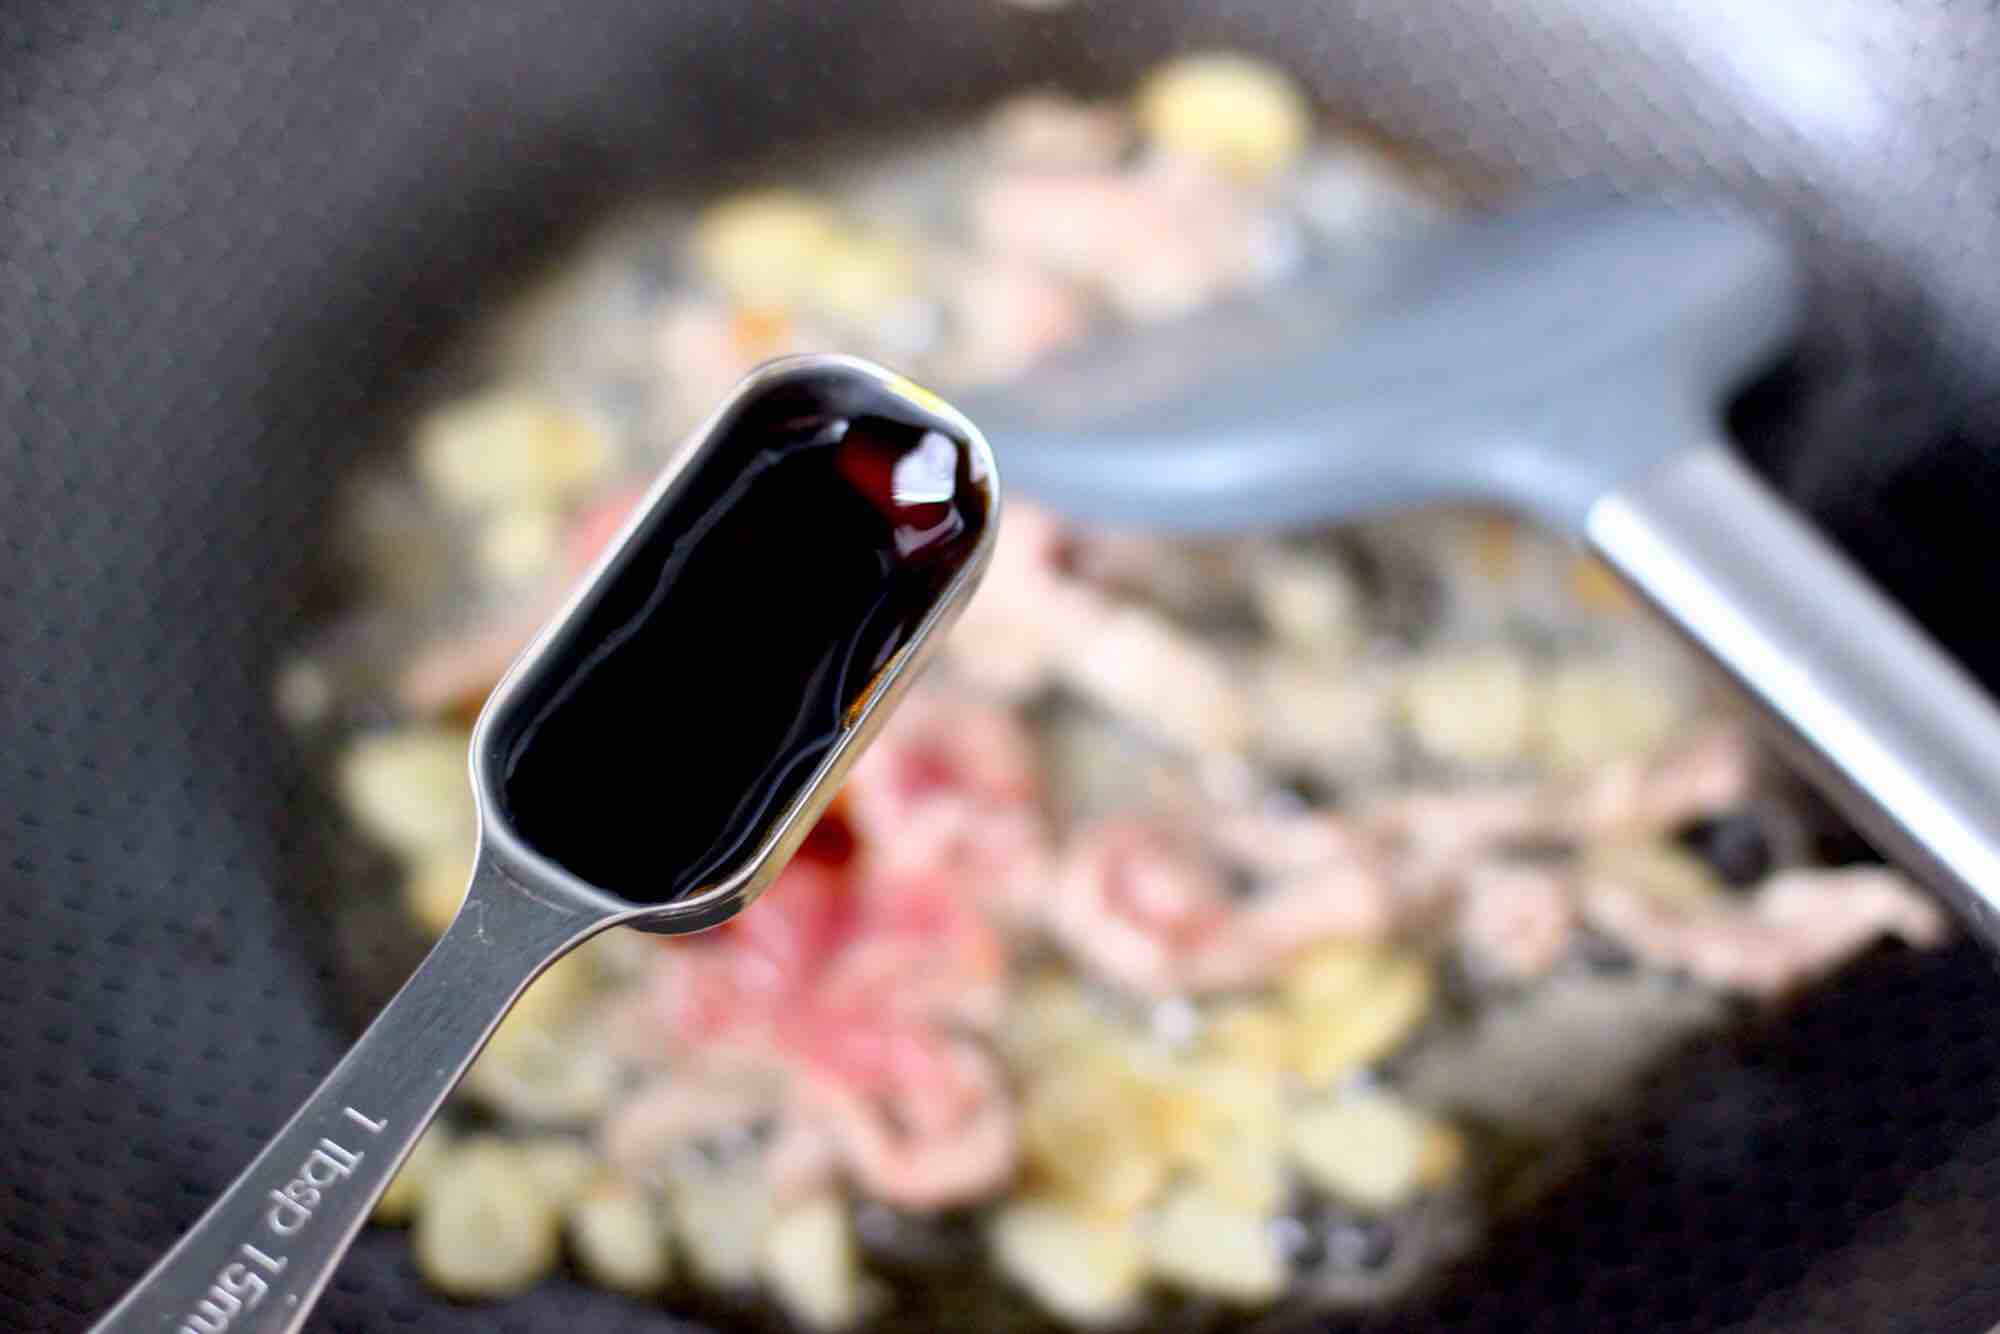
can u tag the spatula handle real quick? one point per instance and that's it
(257, 1260)
(1903, 740)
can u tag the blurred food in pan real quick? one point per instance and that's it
(1236, 922)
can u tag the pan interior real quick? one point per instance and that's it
(239, 245)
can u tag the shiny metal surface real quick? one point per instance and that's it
(1894, 730)
(723, 900)
(236, 238)
(259, 1258)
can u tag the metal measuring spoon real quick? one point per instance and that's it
(1570, 362)
(653, 759)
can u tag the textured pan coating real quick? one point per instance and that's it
(231, 244)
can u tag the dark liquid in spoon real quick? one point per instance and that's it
(690, 701)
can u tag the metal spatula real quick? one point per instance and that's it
(1570, 361)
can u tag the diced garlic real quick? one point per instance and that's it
(1368, 1149)
(720, 1220)
(1245, 1175)
(1313, 712)
(1230, 1134)
(398, 1204)
(508, 447)
(619, 1239)
(1249, 1033)
(1083, 1135)
(1309, 603)
(1662, 872)
(434, 886)
(1083, 1268)
(1168, 1117)
(411, 789)
(809, 1263)
(1240, 1103)
(1200, 1243)
(563, 1168)
(482, 1228)
(1239, 113)
(519, 544)
(1593, 712)
(1332, 975)
(1474, 707)
(1350, 1005)
(764, 247)
(862, 278)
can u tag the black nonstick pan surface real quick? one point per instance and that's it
(237, 238)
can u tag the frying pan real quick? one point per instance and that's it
(237, 241)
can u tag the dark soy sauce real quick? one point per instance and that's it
(726, 649)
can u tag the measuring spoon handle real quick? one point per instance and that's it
(258, 1259)
(1898, 734)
